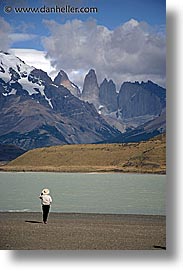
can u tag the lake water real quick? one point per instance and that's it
(85, 193)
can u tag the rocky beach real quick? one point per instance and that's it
(70, 231)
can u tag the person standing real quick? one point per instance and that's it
(46, 201)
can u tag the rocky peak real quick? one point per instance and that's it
(63, 79)
(108, 95)
(91, 76)
(105, 82)
(137, 99)
(155, 89)
(90, 91)
(91, 73)
(61, 76)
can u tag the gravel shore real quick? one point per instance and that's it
(69, 231)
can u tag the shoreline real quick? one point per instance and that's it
(82, 231)
(84, 171)
(82, 214)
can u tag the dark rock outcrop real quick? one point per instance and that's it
(136, 100)
(90, 91)
(108, 95)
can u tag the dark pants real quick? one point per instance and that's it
(46, 209)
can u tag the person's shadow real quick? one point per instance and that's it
(33, 222)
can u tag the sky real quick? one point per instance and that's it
(124, 40)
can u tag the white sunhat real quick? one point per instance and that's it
(45, 191)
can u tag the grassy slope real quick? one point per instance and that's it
(142, 157)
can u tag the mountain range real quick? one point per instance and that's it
(132, 106)
(37, 111)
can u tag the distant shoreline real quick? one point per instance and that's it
(79, 170)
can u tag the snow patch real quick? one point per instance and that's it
(100, 107)
(54, 85)
(49, 101)
(13, 92)
(74, 86)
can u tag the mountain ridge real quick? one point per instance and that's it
(37, 111)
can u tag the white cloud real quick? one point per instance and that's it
(35, 58)
(17, 37)
(133, 51)
(5, 30)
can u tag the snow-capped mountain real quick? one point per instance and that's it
(37, 112)
(17, 77)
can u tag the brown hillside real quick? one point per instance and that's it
(142, 157)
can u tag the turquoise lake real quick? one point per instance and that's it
(114, 193)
